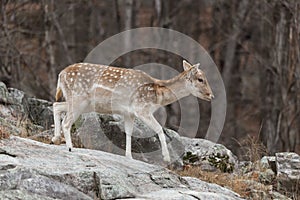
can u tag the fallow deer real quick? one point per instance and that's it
(132, 93)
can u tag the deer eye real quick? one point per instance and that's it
(200, 80)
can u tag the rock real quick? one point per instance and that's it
(204, 152)
(12, 103)
(106, 133)
(21, 194)
(203, 186)
(186, 195)
(34, 170)
(267, 176)
(260, 191)
(19, 100)
(22, 115)
(288, 171)
(244, 167)
(277, 196)
(268, 162)
(45, 136)
(5, 97)
(40, 112)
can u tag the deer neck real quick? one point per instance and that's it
(172, 90)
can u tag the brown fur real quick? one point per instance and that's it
(59, 94)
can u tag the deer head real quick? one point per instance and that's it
(196, 82)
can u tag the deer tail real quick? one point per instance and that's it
(59, 93)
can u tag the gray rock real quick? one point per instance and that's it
(22, 115)
(34, 170)
(202, 152)
(19, 100)
(106, 133)
(288, 171)
(5, 97)
(267, 176)
(268, 162)
(277, 196)
(22, 194)
(40, 112)
(186, 195)
(203, 186)
(12, 103)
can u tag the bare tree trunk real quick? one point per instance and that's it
(230, 51)
(158, 9)
(117, 15)
(49, 40)
(281, 82)
(128, 25)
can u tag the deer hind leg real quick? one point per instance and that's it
(58, 108)
(154, 125)
(74, 111)
(128, 124)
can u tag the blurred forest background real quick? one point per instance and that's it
(255, 44)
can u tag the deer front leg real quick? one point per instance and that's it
(128, 124)
(58, 108)
(154, 125)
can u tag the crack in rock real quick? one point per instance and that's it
(6, 153)
(97, 187)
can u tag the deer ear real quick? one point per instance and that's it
(186, 65)
(197, 66)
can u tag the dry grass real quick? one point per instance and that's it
(247, 185)
(230, 181)
(3, 133)
(254, 149)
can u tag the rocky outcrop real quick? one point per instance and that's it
(34, 170)
(273, 177)
(106, 133)
(210, 156)
(22, 115)
(288, 171)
